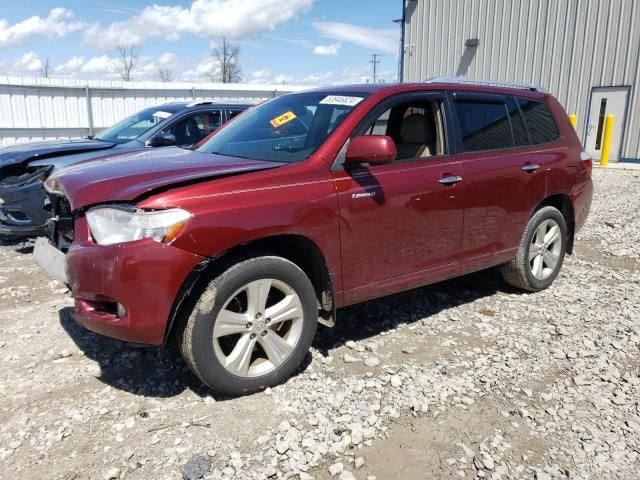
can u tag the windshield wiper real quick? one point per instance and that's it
(228, 155)
(247, 158)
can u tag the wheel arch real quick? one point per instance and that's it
(298, 249)
(563, 203)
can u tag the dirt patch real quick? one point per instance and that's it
(588, 250)
(444, 446)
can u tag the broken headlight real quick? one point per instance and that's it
(25, 176)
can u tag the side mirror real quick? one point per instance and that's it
(371, 149)
(163, 139)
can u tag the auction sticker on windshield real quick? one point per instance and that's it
(282, 119)
(341, 100)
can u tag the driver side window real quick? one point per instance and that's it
(416, 128)
(191, 130)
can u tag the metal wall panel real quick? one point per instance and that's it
(44, 109)
(567, 46)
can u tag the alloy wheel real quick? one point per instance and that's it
(258, 328)
(545, 249)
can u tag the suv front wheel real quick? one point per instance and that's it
(541, 252)
(251, 327)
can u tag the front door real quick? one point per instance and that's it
(605, 101)
(401, 223)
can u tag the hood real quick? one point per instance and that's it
(127, 177)
(25, 152)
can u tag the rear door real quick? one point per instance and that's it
(504, 175)
(401, 223)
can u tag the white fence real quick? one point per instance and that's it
(33, 109)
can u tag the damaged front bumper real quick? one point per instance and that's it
(50, 259)
(127, 291)
(22, 209)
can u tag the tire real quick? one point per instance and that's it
(533, 269)
(235, 361)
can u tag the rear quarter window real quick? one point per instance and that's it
(483, 125)
(540, 122)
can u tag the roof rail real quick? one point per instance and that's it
(489, 83)
(199, 102)
(222, 101)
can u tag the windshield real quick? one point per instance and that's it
(286, 129)
(132, 127)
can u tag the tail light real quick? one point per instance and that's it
(587, 160)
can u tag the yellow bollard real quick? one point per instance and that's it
(573, 118)
(606, 142)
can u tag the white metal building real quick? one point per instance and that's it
(585, 52)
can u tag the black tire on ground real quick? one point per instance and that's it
(195, 337)
(518, 271)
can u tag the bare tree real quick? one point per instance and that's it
(227, 57)
(164, 75)
(45, 69)
(125, 60)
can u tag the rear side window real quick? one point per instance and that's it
(540, 122)
(484, 125)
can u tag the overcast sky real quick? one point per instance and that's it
(309, 42)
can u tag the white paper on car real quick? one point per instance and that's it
(161, 114)
(341, 100)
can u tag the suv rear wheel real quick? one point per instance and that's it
(251, 327)
(541, 252)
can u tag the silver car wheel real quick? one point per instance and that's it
(545, 249)
(258, 328)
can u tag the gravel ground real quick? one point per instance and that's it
(464, 379)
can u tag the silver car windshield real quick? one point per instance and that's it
(134, 126)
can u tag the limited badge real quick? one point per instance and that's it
(282, 119)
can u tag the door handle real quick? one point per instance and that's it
(530, 167)
(450, 179)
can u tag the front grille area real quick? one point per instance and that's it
(60, 226)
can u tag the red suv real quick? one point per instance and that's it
(310, 202)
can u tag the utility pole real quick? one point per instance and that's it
(375, 60)
(400, 22)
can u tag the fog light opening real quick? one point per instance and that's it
(121, 311)
(18, 216)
